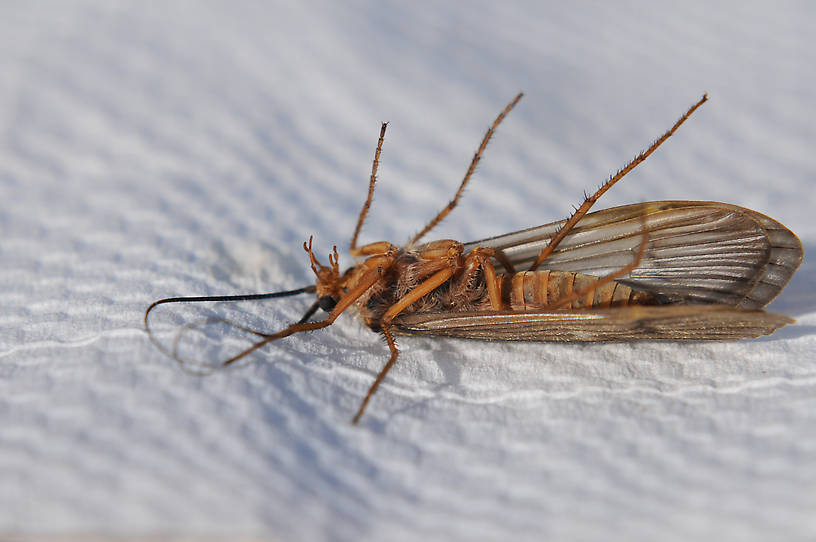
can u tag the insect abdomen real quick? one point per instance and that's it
(533, 290)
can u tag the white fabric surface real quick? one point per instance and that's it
(189, 148)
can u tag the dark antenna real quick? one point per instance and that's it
(245, 297)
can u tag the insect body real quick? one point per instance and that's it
(667, 270)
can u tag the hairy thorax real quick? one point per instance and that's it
(467, 289)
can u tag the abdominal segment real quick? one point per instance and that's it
(535, 290)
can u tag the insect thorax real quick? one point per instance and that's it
(522, 291)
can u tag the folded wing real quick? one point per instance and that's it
(656, 322)
(697, 252)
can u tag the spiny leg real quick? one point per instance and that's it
(606, 279)
(378, 265)
(386, 329)
(476, 157)
(429, 285)
(247, 297)
(589, 201)
(372, 181)
(478, 258)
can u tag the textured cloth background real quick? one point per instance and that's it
(189, 148)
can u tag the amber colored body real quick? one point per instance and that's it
(468, 290)
(710, 268)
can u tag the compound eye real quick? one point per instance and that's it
(327, 303)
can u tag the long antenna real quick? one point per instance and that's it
(244, 297)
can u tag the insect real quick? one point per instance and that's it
(665, 270)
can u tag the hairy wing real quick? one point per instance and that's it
(660, 322)
(697, 252)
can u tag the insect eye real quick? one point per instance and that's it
(327, 303)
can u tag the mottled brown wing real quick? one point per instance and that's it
(655, 323)
(697, 253)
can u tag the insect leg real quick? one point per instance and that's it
(246, 297)
(478, 258)
(504, 260)
(371, 182)
(373, 249)
(428, 286)
(493, 290)
(214, 320)
(473, 163)
(589, 201)
(567, 301)
(369, 279)
(386, 329)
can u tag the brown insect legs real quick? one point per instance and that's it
(432, 266)
(440, 277)
(484, 263)
(473, 163)
(589, 201)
